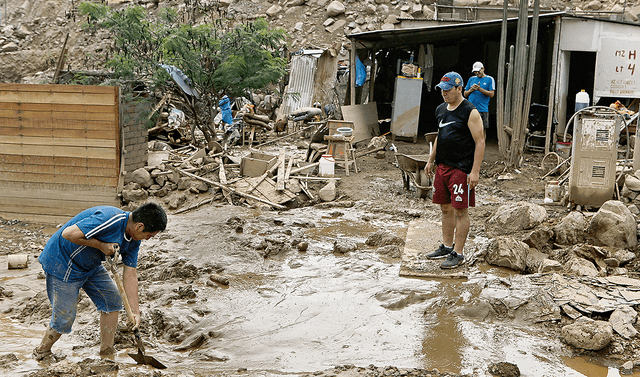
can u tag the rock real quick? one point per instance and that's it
(594, 5)
(623, 256)
(226, 3)
(628, 367)
(303, 246)
(383, 238)
(337, 26)
(22, 32)
(515, 217)
(392, 251)
(370, 9)
(336, 8)
(10, 47)
(534, 260)
(184, 183)
(622, 320)
(588, 334)
(632, 182)
(138, 195)
(392, 19)
(387, 27)
(539, 238)
(570, 230)
(142, 177)
(328, 22)
(507, 252)
(344, 246)
(176, 200)
(504, 369)
(580, 267)
(295, 3)
(613, 225)
(328, 192)
(549, 266)
(199, 186)
(274, 10)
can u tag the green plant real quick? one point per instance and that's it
(219, 58)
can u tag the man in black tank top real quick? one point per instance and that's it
(457, 153)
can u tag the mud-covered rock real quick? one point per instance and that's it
(344, 246)
(580, 267)
(588, 334)
(622, 320)
(613, 225)
(539, 238)
(392, 251)
(507, 252)
(142, 177)
(383, 238)
(570, 230)
(510, 218)
(504, 369)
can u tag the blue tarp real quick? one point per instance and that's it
(225, 107)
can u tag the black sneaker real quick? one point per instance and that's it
(453, 260)
(440, 252)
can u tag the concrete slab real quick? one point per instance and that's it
(424, 236)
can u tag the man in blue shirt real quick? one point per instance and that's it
(479, 90)
(72, 259)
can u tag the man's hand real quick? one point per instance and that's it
(136, 323)
(109, 249)
(428, 169)
(475, 87)
(472, 179)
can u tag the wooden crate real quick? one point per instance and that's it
(255, 164)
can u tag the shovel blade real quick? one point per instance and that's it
(147, 360)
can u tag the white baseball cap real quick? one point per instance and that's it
(477, 66)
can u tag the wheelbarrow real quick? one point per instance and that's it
(412, 167)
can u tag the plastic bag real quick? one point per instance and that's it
(361, 72)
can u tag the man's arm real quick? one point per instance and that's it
(75, 235)
(477, 132)
(432, 158)
(130, 282)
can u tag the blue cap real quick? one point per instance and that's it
(450, 80)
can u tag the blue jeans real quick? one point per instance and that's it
(63, 297)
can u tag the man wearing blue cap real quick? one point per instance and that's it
(479, 90)
(457, 154)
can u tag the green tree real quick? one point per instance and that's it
(219, 58)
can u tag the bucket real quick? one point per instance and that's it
(325, 169)
(563, 149)
(17, 261)
(552, 191)
(582, 100)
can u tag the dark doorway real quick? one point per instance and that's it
(582, 68)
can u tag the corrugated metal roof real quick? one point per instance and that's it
(441, 34)
(300, 89)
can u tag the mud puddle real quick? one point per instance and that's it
(295, 312)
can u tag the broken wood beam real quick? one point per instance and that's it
(284, 137)
(297, 170)
(229, 189)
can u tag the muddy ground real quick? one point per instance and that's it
(292, 310)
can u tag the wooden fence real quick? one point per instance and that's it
(59, 150)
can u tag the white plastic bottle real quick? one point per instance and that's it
(582, 100)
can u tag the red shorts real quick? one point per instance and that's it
(450, 187)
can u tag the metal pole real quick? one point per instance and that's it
(552, 85)
(503, 138)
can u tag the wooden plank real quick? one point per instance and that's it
(64, 151)
(58, 88)
(48, 190)
(281, 171)
(56, 170)
(7, 159)
(25, 107)
(58, 178)
(59, 141)
(103, 133)
(54, 117)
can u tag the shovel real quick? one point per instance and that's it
(139, 357)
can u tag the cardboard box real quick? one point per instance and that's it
(255, 164)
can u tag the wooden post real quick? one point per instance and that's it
(552, 85)
(503, 139)
(352, 73)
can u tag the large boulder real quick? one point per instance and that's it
(335, 8)
(588, 334)
(507, 252)
(515, 217)
(580, 267)
(570, 230)
(613, 225)
(142, 177)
